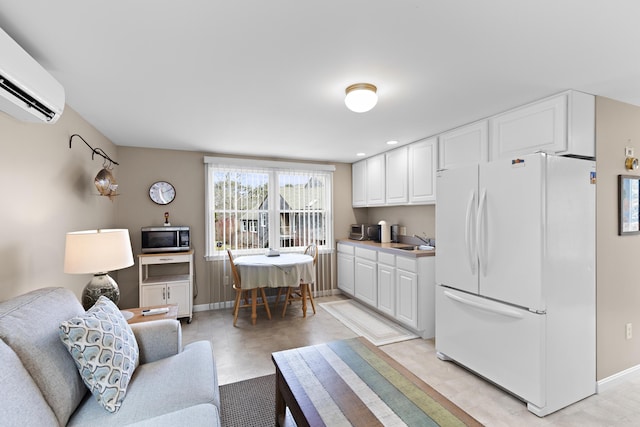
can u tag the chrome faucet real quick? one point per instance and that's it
(426, 241)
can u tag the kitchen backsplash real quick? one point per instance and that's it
(420, 220)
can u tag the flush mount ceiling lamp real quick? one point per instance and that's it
(361, 97)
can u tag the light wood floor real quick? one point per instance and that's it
(245, 352)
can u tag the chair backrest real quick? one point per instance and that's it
(312, 250)
(236, 275)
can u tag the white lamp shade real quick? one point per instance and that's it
(361, 97)
(97, 251)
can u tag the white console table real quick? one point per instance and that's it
(167, 278)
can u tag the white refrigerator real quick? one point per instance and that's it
(515, 270)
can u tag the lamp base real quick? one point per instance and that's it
(101, 284)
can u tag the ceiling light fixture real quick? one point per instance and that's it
(361, 97)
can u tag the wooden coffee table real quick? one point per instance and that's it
(352, 382)
(138, 317)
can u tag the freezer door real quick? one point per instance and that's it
(510, 230)
(502, 343)
(456, 261)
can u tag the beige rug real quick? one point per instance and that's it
(366, 323)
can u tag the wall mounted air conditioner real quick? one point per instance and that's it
(27, 91)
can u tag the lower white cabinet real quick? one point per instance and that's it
(346, 269)
(167, 293)
(366, 276)
(167, 279)
(400, 287)
(387, 283)
(407, 292)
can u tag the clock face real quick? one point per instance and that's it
(162, 192)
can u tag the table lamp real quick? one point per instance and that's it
(98, 252)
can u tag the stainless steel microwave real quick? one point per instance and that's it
(165, 239)
(364, 232)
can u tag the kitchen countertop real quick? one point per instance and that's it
(389, 248)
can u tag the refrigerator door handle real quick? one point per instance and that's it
(481, 234)
(501, 311)
(469, 235)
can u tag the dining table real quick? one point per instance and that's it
(280, 271)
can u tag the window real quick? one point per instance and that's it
(253, 205)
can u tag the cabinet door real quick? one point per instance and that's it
(386, 289)
(422, 171)
(467, 145)
(407, 298)
(346, 273)
(359, 181)
(366, 284)
(396, 176)
(375, 181)
(178, 293)
(541, 126)
(153, 295)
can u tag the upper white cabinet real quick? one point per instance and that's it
(375, 185)
(562, 124)
(396, 177)
(359, 184)
(466, 145)
(404, 176)
(422, 171)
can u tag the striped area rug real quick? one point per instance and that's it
(352, 382)
(366, 323)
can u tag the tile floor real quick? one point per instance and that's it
(245, 352)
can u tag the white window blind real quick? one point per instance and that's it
(254, 205)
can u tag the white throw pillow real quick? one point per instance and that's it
(105, 351)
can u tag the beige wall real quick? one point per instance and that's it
(618, 279)
(140, 167)
(47, 191)
(420, 220)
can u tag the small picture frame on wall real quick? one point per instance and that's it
(628, 204)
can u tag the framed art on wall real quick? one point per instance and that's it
(628, 204)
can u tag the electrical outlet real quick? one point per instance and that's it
(629, 331)
(628, 151)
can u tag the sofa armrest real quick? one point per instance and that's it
(158, 339)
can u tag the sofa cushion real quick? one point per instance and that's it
(161, 387)
(21, 402)
(104, 349)
(199, 415)
(29, 325)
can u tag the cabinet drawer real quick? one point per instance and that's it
(366, 254)
(405, 263)
(346, 249)
(385, 258)
(164, 259)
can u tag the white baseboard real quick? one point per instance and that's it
(229, 304)
(615, 379)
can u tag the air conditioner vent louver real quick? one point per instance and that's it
(27, 91)
(29, 101)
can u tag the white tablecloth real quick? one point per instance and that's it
(257, 271)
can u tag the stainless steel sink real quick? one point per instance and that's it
(415, 248)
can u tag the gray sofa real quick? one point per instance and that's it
(41, 385)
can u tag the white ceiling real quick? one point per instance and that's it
(267, 78)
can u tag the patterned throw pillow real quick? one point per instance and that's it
(104, 350)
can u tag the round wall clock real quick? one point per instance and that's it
(162, 192)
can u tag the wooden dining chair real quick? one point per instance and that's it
(243, 293)
(305, 290)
